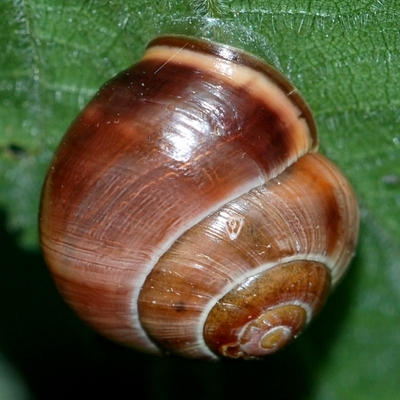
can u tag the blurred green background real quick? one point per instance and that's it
(344, 58)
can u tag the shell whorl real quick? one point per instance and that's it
(285, 222)
(176, 165)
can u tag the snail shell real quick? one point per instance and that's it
(184, 212)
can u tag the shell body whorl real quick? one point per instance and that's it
(183, 190)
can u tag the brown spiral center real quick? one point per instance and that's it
(273, 330)
(267, 311)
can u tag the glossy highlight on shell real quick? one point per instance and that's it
(185, 210)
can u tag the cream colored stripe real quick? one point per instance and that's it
(241, 76)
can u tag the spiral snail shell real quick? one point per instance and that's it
(184, 212)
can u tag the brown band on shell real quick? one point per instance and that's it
(245, 59)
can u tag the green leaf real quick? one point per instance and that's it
(12, 386)
(344, 57)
